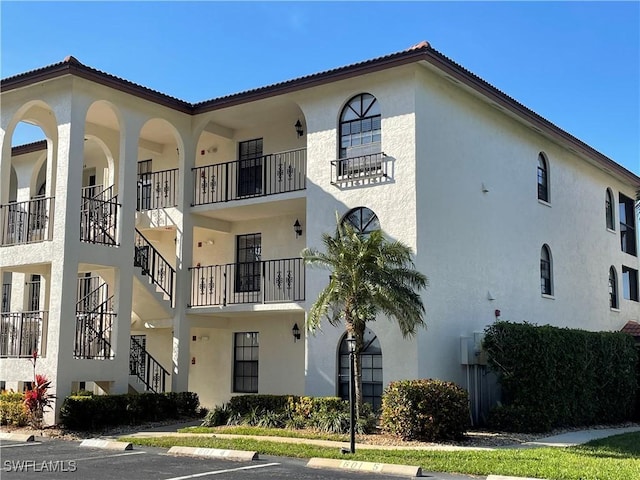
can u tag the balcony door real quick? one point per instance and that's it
(144, 185)
(248, 262)
(250, 168)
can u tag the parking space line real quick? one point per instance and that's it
(217, 472)
(109, 456)
(30, 444)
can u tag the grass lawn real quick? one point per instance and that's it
(613, 458)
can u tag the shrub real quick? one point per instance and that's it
(216, 417)
(559, 377)
(425, 409)
(99, 411)
(13, 410)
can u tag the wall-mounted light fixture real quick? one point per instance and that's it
(297, 228)
(299, 129)
(296, 332)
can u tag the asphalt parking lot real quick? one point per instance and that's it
(60, 459)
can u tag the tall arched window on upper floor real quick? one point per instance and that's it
(613, 288)
(546, 271)
(360, 127)
(608, 208)
(543, 178)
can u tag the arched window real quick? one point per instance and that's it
(608, 208)
(546, 271)
(613, 288)
(371, 361)
(362, 219)
(543, 178)
(360, 127)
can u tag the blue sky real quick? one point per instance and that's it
(575, 63)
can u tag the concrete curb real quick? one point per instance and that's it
(502, 477)
(18, 437)
(108, 444)
(369, 467)
(236, 455)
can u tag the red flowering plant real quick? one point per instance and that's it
(37, 398)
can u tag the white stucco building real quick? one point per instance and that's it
(150, 243)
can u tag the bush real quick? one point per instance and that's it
(13, 411)
(216, 417)
(425, 410)
(99, 411)
(559, 377)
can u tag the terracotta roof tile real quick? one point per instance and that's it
(632, 328)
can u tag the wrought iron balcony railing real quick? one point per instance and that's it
(269, 281)
(6, 297)
(157, 190)
(21, 333)
(93, 331)
(255, 177)
(26, 222)
(362, 167)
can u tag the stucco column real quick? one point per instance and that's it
(5, 155)
(123, 288)
(184, 254)
(59, 361)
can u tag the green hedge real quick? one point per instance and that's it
(425, 409)
(99, 411)
(560, 377)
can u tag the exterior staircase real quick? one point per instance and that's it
(99, 216)
(146, 370)
(94, 320)
(155, 268)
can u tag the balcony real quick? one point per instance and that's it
(255, 177)
(367, 167)
(21, 333)
(269, 281)
(157, 190)
(26, 222)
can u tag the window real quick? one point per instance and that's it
(245, 362)
(546, 271)
(630, 283)
(371, 365)
(34, 293)
(362, 219)
(608, 208)
(627, 225)
(250, 168)
(543, 178)
(360, 127)
(613, 288)
(248, 255)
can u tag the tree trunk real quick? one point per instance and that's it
(358, 332)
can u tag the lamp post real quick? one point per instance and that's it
(351, 342)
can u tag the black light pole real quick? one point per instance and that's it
(352, 404)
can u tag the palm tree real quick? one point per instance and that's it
(369, 274)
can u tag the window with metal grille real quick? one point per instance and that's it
(362, 219)
(245, 362)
